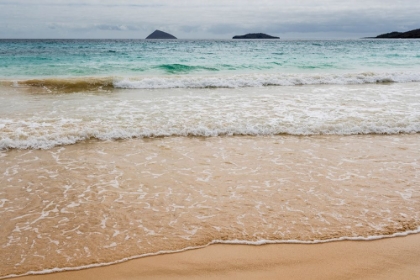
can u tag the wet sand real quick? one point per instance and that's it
(102, 202)
(391, 258)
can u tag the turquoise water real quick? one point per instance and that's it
(51, 58)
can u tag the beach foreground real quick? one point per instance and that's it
(99, 203)
(390, 258)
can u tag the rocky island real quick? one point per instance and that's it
(157, 34)
(255, 36)
(412, 34)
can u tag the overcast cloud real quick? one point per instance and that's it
(196, 19)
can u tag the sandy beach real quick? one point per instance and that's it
(390, 258)
(102, 202)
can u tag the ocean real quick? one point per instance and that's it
(117, 149)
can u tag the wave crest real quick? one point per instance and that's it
(182, 68)
(68, 85)
(48, 140)
(261, 80)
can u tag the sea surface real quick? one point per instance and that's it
(116, 149)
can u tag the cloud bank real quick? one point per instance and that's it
(205, 19)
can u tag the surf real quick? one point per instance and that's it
(189, 81)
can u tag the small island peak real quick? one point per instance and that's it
(412, 34)
(255, 36)
(158, 34)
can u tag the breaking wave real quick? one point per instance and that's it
(261, 80)
(48, 139)
(68, 85)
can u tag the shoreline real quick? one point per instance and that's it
(213, 243)
(387, 258)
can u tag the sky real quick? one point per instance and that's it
(210, 19)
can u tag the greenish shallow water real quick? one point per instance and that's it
(50, 58)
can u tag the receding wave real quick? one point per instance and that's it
(227, 242)
(94, 204)
(68, 85)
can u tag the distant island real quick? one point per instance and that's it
(412, 34)
(157, 34)
(255, 36)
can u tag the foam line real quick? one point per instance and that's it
(232, 242)
(66, 85)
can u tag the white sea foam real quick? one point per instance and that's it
(308, 110)
(49, 140)
(259, 80)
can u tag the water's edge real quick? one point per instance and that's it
(226, 242)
